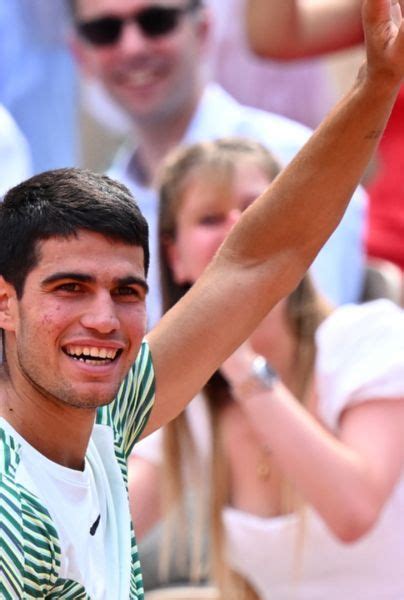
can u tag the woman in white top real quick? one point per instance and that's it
(307, 488)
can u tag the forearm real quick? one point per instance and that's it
(346, 475)
(307, 200)
(331, 477)
(294, 29)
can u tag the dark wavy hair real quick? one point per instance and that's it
(60, 203)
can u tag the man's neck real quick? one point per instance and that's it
(61, 433)
(156, 140)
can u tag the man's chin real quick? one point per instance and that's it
(90, 400)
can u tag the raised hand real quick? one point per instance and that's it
(384, 36)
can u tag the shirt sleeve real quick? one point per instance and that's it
(133, 404)
(360, 357)
(30, 555)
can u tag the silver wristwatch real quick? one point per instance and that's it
(264, 372)
(261, 378)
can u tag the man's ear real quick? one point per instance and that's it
(205, 27)
(81, 54)
(8, 297)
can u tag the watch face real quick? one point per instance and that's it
(264, 371)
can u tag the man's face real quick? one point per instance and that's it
(79, 324)
(149, 77)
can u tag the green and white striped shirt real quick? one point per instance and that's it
(45, 550)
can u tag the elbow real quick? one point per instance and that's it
(263, 48)
(267, 44)
(355, 523)
(281, 44)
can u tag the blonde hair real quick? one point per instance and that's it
(215, 162)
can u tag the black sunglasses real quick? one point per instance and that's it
(153, 21)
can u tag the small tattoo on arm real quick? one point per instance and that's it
(374, 134)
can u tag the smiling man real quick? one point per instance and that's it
(80, 383)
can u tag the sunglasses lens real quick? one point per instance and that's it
(155, 21)
(101, 32)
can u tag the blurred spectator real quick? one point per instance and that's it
(15, 160)
(37, 79)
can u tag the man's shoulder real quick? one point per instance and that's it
(134, 401)
(18, 497)
(9, 454)
(29, 538)
(139, 379)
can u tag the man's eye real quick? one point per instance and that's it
(126, 291)
(69, 287)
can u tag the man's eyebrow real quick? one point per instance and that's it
(132, 280)
(68, 275)
(84, 278)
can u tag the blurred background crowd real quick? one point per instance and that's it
(196, 106)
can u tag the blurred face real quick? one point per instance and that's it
(207, 213)
(78, 326)
(150, 77)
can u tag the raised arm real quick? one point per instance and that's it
(290, 29)
(277, 238)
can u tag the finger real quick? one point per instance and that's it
(377, 11)
(383, 23)
(396, 13)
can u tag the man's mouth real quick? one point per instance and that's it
(92, 355)
(140, 76)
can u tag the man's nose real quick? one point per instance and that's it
(132, 38)
(100, 314)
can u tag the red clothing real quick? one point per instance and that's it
(385, 235)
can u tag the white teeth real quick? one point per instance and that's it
(141, 77)
(82, 352)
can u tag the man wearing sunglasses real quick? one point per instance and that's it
(149, 55)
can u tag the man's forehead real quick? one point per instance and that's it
(86, 246)
(90, 8)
